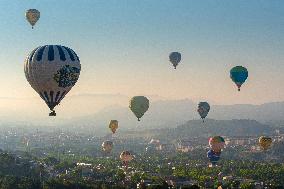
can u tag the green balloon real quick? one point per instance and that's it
(139, 105)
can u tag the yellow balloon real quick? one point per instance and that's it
(113, 125)
(265, 142)
(126, 156)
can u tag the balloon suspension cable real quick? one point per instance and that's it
(239, 87)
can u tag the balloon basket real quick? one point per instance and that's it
(53, 113)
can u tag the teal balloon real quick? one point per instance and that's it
(239, 74)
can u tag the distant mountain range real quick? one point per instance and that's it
(263, 112)
(95, 111)
(210, 127)
(197, 129)
(171, 113)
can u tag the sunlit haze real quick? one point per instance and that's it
(124, 46)
(146, 94)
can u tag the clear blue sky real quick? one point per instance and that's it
(124, 45)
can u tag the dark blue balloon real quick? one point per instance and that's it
(175, 58)
(213, 156)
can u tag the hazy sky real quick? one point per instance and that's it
(123, 46)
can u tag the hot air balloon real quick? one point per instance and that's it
(139, 105)
(216, 143)
(107, 146)
(126, 157)
(32, 16)
(52, 70)
(213, 156)
(113, 125)
(239, 74)
(175, 58)
(265, 142)
(203, 109)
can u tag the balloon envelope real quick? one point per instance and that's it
(216, 143)
(52, 70)
(126, 156)
(265, 142)
(203, 109)
(32, 16)
(239, 74)
(175, 58)
(113, 125)
(139, 105)
(213, 156)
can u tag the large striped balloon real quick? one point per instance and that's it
(52, 70)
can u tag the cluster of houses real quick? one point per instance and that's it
(250, 143)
